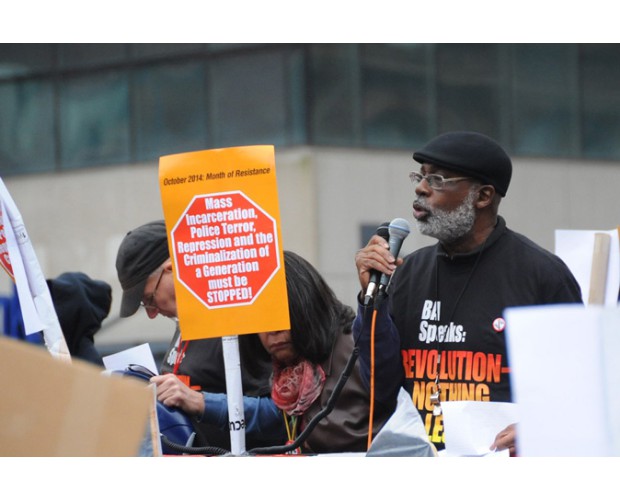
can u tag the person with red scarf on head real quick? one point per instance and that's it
(308, 361)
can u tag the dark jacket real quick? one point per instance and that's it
(81, 304)
(345, 428)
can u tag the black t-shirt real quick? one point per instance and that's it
(454, 306)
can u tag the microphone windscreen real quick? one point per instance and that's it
(398, 228)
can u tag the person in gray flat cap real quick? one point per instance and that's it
(193, 373)
(439, 326)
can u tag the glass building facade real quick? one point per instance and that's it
(71, 106)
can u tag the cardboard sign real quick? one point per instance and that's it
(223, 220)
(578, 249)
(54, 409)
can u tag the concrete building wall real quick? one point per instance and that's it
(76, 220)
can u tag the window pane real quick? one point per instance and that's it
(94, 120)
(250, 100)
(224, 47)
(334, 95)
(83, 55)
(144, 50)
(26, 126)
(600, 76)
(546, 120)
(395, 94)
(169, 109)
(297, 115)
(468, 88)
(18, 59)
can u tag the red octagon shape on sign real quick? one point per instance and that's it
(225, 249)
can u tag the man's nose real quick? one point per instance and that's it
(152, 312)
(423, 188)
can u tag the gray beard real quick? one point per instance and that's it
(449, 226)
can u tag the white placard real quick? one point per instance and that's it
(565, 379)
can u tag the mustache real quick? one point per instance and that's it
(421, 203)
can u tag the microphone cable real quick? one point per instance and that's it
(371, 410)
(193, 450)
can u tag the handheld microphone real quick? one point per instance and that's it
(375, 276)
(398, 231)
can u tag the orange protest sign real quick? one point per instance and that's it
(223, 220)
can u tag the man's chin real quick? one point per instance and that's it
(423, 227)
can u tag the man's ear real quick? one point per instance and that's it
(486, 195)
(168, 264)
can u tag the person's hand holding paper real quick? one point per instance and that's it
(471, 427)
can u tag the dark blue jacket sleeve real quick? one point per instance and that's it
(262, 417)
(388, 364)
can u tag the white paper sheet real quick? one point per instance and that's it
(139, 355)
(470, 427)
(564, 374)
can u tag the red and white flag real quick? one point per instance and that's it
(18, 259)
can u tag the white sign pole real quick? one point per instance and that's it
(234, 394)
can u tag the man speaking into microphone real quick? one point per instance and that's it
(439, 329)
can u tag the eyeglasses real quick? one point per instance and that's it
(435, 181)
(150, 302)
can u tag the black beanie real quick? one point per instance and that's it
(471, 153)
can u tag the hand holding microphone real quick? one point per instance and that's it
(398, 230)
(375, 275)
(379, 261)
